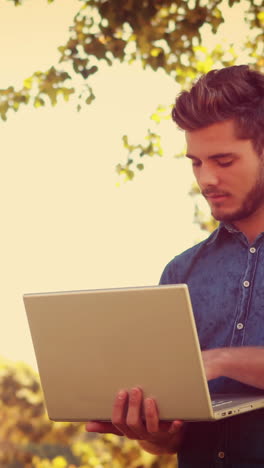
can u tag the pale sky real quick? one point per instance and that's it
(65, 224)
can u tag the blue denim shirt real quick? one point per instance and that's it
(225, 276)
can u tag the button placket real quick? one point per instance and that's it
(247, 279)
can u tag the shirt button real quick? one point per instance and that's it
(246, 284)
(240, 326)
(221, 454)
(252, 249)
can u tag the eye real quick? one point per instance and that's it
(196, 163)
(224, 164)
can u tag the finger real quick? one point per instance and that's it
(134, 414)
(119, 414)
(151, 415)
(175, 426)
(102, 428)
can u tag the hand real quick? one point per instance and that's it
(214, 362)
(127, 421)
(243, 363)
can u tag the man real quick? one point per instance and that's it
(223, 118)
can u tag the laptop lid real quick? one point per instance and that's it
(90, 344)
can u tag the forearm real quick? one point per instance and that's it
(245, 364)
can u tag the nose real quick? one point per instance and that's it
(206, 177)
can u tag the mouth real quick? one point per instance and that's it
(216, 197)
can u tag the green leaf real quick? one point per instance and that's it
(38, 102)
(28, 83)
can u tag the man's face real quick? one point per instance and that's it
(228, 171)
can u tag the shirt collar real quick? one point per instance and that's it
(222, 228)
(225, 228)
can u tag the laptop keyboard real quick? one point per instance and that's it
(221, 402)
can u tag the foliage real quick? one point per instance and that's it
(41, 85)
(161, 34)
(29, 439)
(24, 426)
(205, 223)
(151, 148)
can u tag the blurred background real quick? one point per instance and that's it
(95, 192)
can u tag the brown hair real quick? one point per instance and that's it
(230, 93)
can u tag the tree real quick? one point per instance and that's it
(160, 34)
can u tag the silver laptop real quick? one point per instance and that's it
(90, 344)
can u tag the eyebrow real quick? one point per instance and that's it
(212, 156)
